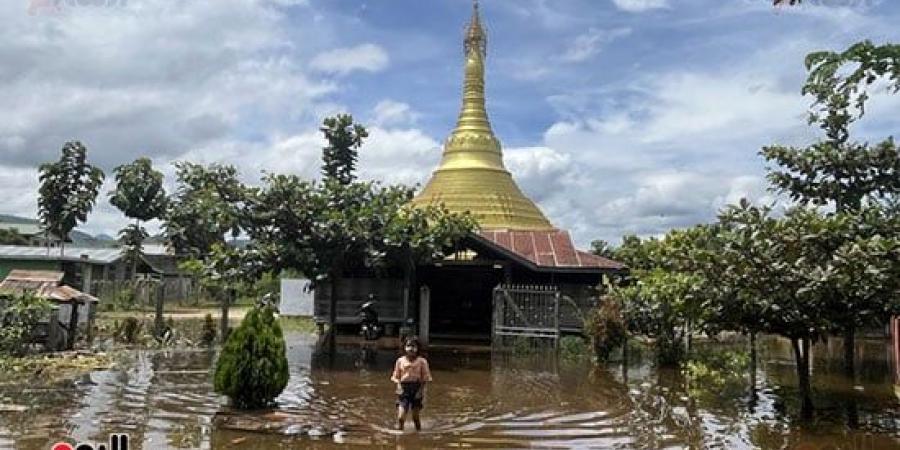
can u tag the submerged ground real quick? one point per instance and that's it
(165, 399)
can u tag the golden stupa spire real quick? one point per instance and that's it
(472, 176)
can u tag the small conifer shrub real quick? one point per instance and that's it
(253, 369)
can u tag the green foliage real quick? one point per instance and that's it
(838, 82)
(18, 316)
(68, 190)
(602, 248)
(12, 237)
(139, 192)
(340, 155)
(841, 174)
(205, 208)
(129, 331)
(252, 369)
(319, 229)
(132, 239)
(606, 327)
(573, 348)
(209, 333)
(662, 305)
(711, 372)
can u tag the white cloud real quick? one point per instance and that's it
(364, 57)
(390, 112)
(590, 43)
(640, 5)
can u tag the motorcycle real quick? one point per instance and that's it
(369, 327)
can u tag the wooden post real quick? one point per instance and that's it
(54, 332)
(158, 322)
(424, 313)
(556, 314)
(73, 325)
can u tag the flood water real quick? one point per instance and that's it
(165, 400)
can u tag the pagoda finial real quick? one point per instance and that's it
(476, 38)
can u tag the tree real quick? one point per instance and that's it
(132, 238)
(321, 229)
(139, 194)
(68, 191)
(207, 206)
(602, 248)
(837, 171)
(340, 155)
(253, 368)
(666, 296)
(12, 237)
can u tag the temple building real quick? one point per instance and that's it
(519, 274)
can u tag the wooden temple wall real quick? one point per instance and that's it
(353, 292)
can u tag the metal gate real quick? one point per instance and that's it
(530, 312)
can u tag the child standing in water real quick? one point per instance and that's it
(411, 372)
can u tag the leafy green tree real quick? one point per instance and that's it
(252, 369)
(205, 209)
(340, 155)
(68, 191)
(659, 305)
(140, 195)
(838, 171)
(12, 237)
(132, 239)
(602, 248)
(323, 228)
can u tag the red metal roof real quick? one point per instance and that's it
(553, 249)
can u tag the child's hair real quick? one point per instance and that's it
(414, 341)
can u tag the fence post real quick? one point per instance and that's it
(556, 316)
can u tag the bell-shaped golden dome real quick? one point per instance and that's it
(471, 176)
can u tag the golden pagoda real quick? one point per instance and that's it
(471, 176)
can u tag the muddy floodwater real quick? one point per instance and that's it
(164, 399)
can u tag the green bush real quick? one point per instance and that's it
(18, 317)
(573, 348)
(253, 369)
(208, 335)
(129, 331)
(606, 328)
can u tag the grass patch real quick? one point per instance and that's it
(298, 324)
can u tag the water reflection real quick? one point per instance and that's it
(165, 400)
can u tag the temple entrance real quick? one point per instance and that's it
(461, 298)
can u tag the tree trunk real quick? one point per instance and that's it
(332, 307)
(753, 360)
(801, 356)
(158, 321)
(850, 351)
(227, 298)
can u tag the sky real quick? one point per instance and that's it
(617, 116)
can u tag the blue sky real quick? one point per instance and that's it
(617, 116)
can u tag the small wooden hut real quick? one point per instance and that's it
(72, 308)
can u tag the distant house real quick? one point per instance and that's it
(86, 267)
(28, 228)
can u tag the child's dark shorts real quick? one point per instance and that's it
(408, 398)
